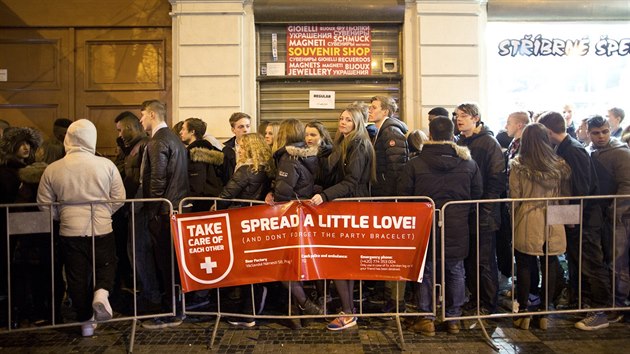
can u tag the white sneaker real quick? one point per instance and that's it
(101, 306)
(87, 328)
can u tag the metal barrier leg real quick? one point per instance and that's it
(400, 333)
(214, 332)
(132, 336)
(487, 336)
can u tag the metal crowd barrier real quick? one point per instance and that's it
(396, 315)
(557, 216)
(20, 223)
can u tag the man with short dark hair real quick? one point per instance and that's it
(611, 159)
(164, 174)
(615, 117)
(583, 183)
(444, 172)
(204, 164)
(486, 152)
(240, 124)
(436, 112)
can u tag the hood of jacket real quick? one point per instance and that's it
(33, 172)
(13, 137)
(204, 151)
(81, 137)
(444, 155)
(394, 122)
(303, 153)
(547, 179)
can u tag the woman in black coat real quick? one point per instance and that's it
(353, 168)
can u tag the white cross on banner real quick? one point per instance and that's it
(208, 265)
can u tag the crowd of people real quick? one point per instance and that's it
(372, 153)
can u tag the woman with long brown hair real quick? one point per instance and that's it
(537, 172)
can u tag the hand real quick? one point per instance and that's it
(269, 198)
(317, 199)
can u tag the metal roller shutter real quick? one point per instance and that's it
(282, 97)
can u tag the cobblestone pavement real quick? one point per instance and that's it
(370, 336)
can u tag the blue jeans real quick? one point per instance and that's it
(488, 270)
(455, 287)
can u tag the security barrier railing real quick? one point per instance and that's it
(396, 312)
(562, 211)
(25, 219)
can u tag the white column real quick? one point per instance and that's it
(214, 59)
(450, 67)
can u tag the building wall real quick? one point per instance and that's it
(214, 58)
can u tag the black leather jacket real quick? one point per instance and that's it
(165, 172)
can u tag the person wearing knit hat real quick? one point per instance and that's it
(77, 179)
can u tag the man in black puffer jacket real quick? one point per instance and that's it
(164, 174)
(444, 172)
(486, 152)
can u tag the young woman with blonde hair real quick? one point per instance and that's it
(352, 166)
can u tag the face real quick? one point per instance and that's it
(612, 119)
(600, 136)
(512, 127)
(346, 125)
(23, 151)
(567, 113)
(312, 137)
(186, 135)
(465, 122)
(269, 135)
(124, 132)
(147, 120)
(241, 127)
(582, 131)
(59, 133)
(376, 113)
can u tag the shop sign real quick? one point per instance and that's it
(329, 50)
(298, 241)
(538, 45)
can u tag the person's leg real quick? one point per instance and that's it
(549, 268)
(596, 274)
(573, 254)
(455, 287)
(488, 271)
(77, 255)
(425, 289)
(524, 264)
(146, 273)
(504, 242)
(622, 261)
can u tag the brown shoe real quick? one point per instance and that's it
(452, 327)
(424, 326)
(522, 322)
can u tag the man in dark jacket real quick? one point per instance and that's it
(444, 172)
(134, 140)
(240, 124)
(583, 183)
(391, 151)
(204, 163)
(486, 152)
(164, 174)
(611, 159)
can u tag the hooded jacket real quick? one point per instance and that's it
(10, 166)
(205, 168)
(392, 152)
(81, 177)
(530, 219)
(445, 172)
(297, 167)
(612, 165)
(486, 152)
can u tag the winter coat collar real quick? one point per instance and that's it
(204, 151)
(461, 151)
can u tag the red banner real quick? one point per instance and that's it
(298, 241)
(324, 50)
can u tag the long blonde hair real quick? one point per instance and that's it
(291, 131)
(358, 136)
(255, 152)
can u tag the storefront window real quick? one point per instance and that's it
(543, 66)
